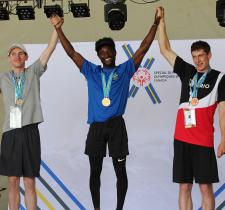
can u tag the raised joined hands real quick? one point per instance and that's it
(56, 21)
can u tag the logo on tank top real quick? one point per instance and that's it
(203, 86)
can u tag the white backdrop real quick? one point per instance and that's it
(64, 182)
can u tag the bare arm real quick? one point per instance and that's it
(221, 147)
(50, 48)
(75, 56)
(164, 43)
(147, 41)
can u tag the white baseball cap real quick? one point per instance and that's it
(16, 45)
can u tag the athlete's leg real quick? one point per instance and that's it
(122, 182)
(30, 193)
(185, 200)
(14, 193)
(95, 181)
(208, 200)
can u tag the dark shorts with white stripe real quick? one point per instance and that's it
(193, 162)
(21, 152)
(113, 132)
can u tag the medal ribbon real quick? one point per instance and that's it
(18, 85)
(197, 83)
(107, 87)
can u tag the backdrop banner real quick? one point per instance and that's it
(150, 119)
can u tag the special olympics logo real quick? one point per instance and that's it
(141, 78)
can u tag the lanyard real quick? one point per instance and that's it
(107, 87)
(195, 84)
(18, 85)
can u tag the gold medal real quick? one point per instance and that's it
(194, 101)
(19, 102)
(106, 102)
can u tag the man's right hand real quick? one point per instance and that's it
(158, 15)
(160, 11)
(56, 21)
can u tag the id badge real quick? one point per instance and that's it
(189, 118)
(15, 117)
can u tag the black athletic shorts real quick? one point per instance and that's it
(113, 132)
(20, 152)
(193, 162)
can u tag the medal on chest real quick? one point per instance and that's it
(194, 86)
(194, 101)
(19, 102)
(18, 83)
(106, 102)
(106, 88)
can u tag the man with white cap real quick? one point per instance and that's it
(20, 153)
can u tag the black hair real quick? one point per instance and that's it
(106, 41)
(200, 45)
